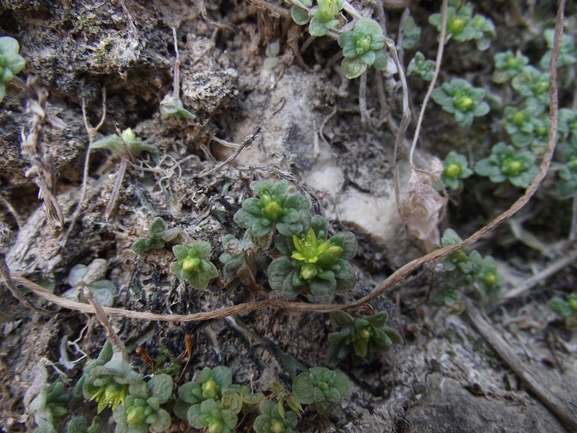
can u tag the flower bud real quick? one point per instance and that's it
(190, 263)
(135, 415)
(331, 254)
(209, 389)
(128, 135)
(276, 426)
(272, 211)
(452, 171)
(309, 271)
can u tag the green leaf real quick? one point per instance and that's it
(299, 16)
(278, 271)
(303, 389)
(161, 387)
(353, 68)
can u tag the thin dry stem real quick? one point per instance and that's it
(117, 345)
(247, 141)
(433, 81)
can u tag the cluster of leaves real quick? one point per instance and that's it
(463, 26)
(126, 144)
(158, 235)
(192, 265)
(11, 62)
(272, 51)
(461, 99)
(93, 278)
(455, 169)
(314, 262)
(359, 337)
(241, 260)
(322, 386)
(422, 67)
(566, 309)
(505, 163)
(465, 269)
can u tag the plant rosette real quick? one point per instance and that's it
(459, 23)
(134, 144)
(11, 62)
(141, 408)
(271, 421)
(274, 209)
(566, 309)
(363, 47)
(504, 164)
(461, 99)
(321, 386)
(325, 17)
(359, 336)
(455, 169)
(533, 85)
(421, 67)
(192, 266)
(487, 278)
(508, 65)
(519, 125)
(310, 260)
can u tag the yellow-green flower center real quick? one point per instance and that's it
(209, 389)
(308, 250)
(135, 415)
(214, 427)
(456, 26)
(452, 171)
(271, 207)
(519, 118)
(276, 426)
(514, 167)
(573, 303)
(365, 333)
(490, 279)
(309, 271)
(363, 44)
(190, 263)
(465, 103)
(541, 87)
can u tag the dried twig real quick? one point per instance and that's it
(91, 136)
(247, 141)
(41, 160)
(554, 403)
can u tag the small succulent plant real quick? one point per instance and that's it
(158, 234)
(315, 262)
(461, 99)
(11, 62)
(271, 421)
(533, 85)
(508, 65)
(141, 408)
(325, 17)
(422, 67)
(363, 47)
(241, 260)
(458, 259)
(321, 386)
(93, 278)
(486, 276)
(412, 34)
(192, 266)
(272, 51)
(48, 402)
(566, 309)
(459, 22)
(567, 186)
(128, 143)
(519, 124)
(360, 336)
(567, 55)
(504, 164)
(484, 31)
(455, 169)
(274, 208)
(173, 107)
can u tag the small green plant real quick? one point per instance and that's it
(533, 85)
(129, 145)
(273, 209)
(484, 31)
(504, 164)
(107, 378)
(141, 407)
(157, 236)
(455, 169)
(508, 65)
(282, 396)
(567, 55)
(272, 421)
(412, 34)
(93, 278)
(212, 417)
(461, 99)
(325, 17)
(363, 47)
(458, 259)
(567, 186)
(241, 260)
(568, 125)
(192, 266)
(49, 403)
(11, 62)
(360, 336)
(171, 107)
(486, 277)
(271, 52)
(421, 67)
(321, 386)
(566, 309)
(459, 22)
(311, 261)
(519, 125)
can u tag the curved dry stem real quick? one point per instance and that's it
(433, 81)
